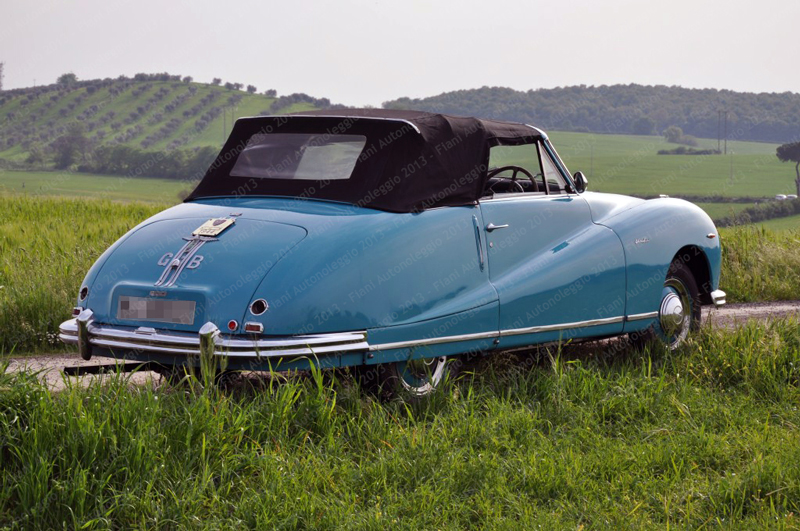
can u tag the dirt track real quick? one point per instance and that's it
(728, 316)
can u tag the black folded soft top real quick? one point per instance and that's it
(411, 160)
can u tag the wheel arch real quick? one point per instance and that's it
(695, 259)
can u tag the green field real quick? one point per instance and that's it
(781, 224)
(629, 165)
(721, 210)
(73, 184)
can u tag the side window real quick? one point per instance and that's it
(514, 170)
(555, 181)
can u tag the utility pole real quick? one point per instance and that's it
(719, 131)
(726, 132)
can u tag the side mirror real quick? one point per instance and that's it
(581, 182)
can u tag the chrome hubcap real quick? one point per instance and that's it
(421, 376)
(671, 313)
(675, 313)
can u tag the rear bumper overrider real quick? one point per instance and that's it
(88, 335)
(718, 297)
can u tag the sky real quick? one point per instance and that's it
(366, 52)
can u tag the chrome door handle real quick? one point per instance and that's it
(491, 226)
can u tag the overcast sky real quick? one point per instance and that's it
(366, 52)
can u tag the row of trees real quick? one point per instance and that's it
(625, 109)
(74, 147)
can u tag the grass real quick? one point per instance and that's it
(790, 223)
(760, 264)
(46, 247)
(81, 185)
(629, 165)
(721, 210)
(585, 439)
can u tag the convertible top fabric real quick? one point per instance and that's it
(411, 161)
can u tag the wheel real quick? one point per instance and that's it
(411, 379)
(679, 310)
(174, 375)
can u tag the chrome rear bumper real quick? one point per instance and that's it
(718, 297)
(83, 332)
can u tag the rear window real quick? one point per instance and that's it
(300, 157)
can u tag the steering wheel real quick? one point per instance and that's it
(515, 170)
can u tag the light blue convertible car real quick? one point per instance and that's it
(392, 240)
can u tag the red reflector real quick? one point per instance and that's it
(254, 327)
(76, 311)
(232, 325)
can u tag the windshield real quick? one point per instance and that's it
(294, 156)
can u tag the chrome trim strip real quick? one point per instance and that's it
(432, 341)
(502, 333)
(562, 168)
(479, 242)
(332, 116)
(718, 297)
(562, 326)
(544, 135)
(640, 316)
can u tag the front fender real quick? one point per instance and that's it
(652, 234)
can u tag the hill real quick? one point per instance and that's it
(148, 113)
(626, 109)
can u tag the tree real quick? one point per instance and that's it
(67, 79)
(237, 86)
(35, 155)
(271, 93)
(643, 126)
(188, 79)
(216, 81)
(673, 134)
(228, 85)
(791, 153)
(69, 145)
(251, 89)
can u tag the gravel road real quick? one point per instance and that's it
(50, 365)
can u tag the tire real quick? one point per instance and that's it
(678, 313)
(410, 380)
(176, 375)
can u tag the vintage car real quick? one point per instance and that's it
(392, 240)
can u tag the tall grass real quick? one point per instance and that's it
(47, 245)
(46, 248)
(704, 436)
(759, 264)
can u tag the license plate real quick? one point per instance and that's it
(161, 310)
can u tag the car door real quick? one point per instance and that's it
(556, 273)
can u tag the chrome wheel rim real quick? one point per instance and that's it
(421, 376)
(675, 312)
